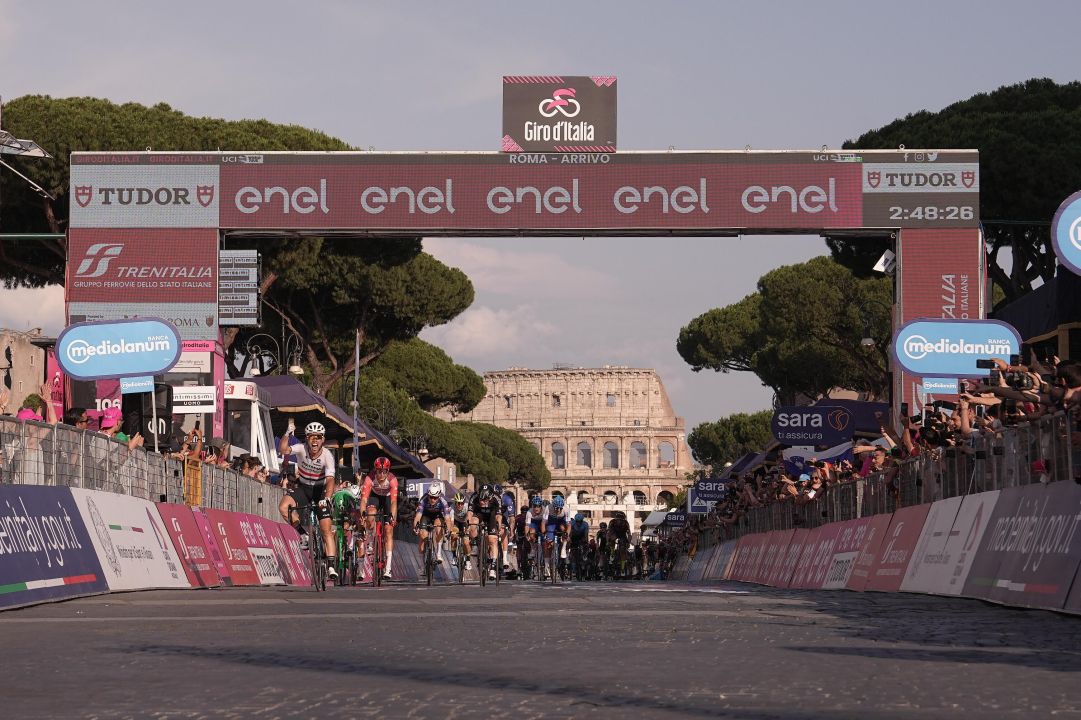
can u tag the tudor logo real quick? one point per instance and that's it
(84, 194)
(204, 194)
(874, 178)
(968, 178)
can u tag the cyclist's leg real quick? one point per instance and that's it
(287, 509)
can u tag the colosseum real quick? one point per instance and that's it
(608, 435)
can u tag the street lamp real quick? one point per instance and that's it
(868, 341)
(257, 349)
(416, 441)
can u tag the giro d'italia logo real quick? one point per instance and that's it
(562, 103)
(1066, 233)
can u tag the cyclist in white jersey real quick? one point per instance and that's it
(314, 485)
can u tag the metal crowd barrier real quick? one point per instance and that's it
(1010, 457)
(33, 453)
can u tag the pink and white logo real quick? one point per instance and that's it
(103, 253)
(561, 102)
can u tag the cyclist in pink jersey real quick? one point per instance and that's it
(380, 490)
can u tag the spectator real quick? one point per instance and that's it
(216, 452)
(110, 426)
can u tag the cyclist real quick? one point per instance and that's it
(535, 523)
(619, 534)
(522, 545)
(432, 509)
(345, 505)
(380, 490)
(602, 550)
(314, 486)
(485, 510)
(579, 537)
(459, 514)
(507, 502)
(556, 523)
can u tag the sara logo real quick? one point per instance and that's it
(950, 348)
(839, 419)
(103, 253)
(1066, 233)
(84, 195)
(562, 102)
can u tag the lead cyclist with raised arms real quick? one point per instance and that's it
(314, 486)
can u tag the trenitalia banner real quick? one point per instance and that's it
(1066, 233)
(124, 348)
(560, 193)
(952, 347)
(45, 549)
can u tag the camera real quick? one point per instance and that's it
(1020, 380)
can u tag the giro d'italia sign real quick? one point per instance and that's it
(950, 348)
(1066, 233)
(124, 348)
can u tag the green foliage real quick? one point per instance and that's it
(1030, 161)
(800, 333)
(725, 440)
(526, 466)
(63, 126)
(428, 375)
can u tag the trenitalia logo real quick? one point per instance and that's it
(950, 348)
(103, 253)
(118, 349)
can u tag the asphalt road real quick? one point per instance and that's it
(633, 650)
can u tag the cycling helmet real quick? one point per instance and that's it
(524, 508)
(558, 502)
(381, 463)
(537, 501)
(578, 517)
(344, 502)
(604, 526)
(315, 428)
(459, 498)
(435, 490)
(485, 492)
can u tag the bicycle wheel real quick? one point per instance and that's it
(538, 559)
(377, 553)
(553, 561)
(429, 558)
(459, 559)
(499, 562)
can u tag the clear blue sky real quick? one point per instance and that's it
(426, 76)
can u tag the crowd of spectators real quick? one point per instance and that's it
(1012, 394)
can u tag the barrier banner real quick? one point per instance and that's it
(270, 564)
(296, 558)
(1073, 600)
(824, 550)
(756, 546)
(850, 539)
(189, 545)
(782, 574)
(927, 569)
(743, 556)
(760, 557)
(1030, 551)
(718, 563)
(702, 560)
(891, 561)
(210, 541)
(133, 547)
(234, 547)
(803, 566)
(775, 554)
(46, 552)
(865, 560)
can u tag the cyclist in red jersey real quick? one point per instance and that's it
(380, 490)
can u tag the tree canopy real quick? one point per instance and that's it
(800, 333)
(429, 375)
(1030, 161)
(729, 438)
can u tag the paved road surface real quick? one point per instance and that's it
(528, 651)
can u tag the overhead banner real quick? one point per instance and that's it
(132, 544)
(45, 549)
(807, 425)
(552, 113)
(559, 193)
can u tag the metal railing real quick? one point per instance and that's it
(33, 453)
(1007, 458)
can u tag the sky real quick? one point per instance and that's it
(427, 76)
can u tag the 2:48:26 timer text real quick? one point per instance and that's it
(933, 212)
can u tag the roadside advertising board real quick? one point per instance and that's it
(704, 493)
(267, 549)
(850, 539)
(189, 544)
(821, 558)
(46, 552)
(233, 545)
(865, 559)
(895, 552)
(930, 560)
(782, 575)
(950, 348)
(132, 544)
(1031, 549)
(122, 348)
(775, 556)
(294, 556)
(210, 541)
(804, 566)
